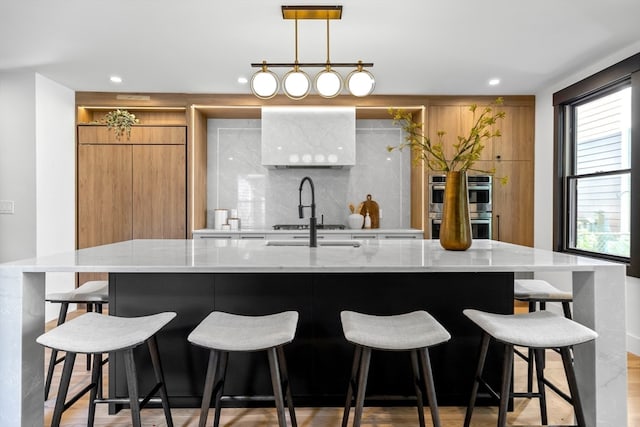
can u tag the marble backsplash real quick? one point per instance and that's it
(264, 197)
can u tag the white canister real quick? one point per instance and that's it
(220, 217)
(234, 223)
(356, 221)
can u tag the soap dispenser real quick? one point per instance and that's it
(367, 220)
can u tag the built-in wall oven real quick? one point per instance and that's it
(480, 210)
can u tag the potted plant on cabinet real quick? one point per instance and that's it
(121, 122)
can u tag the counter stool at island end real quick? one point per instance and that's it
(95, 334)
(222, 333)
(94, 294)
(539, 330)
(414, 332)
(537, 293)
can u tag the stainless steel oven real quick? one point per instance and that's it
(480, 227)
(480, 207)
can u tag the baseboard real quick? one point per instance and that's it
(633, 344)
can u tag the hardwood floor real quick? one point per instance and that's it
(526, 411)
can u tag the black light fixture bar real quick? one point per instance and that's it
(312, 64)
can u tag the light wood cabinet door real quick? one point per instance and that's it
(159, 192)
(454, 120)
(517, 128)
(513, 203)
(100, 134)
(104, 194)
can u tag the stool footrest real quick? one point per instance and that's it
(125, 401)
(78, 395)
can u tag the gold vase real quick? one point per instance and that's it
(455, 230)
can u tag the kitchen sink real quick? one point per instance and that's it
(304, 242)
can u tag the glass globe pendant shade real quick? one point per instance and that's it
(264, 84)
(360, 82)
(296, 84)
(328, 83)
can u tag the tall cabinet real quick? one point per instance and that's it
(130, 189)
(511, 156)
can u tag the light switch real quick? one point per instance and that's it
(6, 207)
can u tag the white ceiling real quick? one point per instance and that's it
(418, 46)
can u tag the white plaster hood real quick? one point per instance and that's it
(308, 136)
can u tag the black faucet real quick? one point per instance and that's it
(313, 232)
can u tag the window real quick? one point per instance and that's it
(598, 180)
(596, 194)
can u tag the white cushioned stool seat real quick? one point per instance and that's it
(96, 333)
(414, 332)
(232, 332)
(535, 289)
(92, 291)
(539, 329)
(222, 333)
(407, 331)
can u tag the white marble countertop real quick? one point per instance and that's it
(255, 256)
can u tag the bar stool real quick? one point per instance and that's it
(538, 293)
(539, 330)
(95, 334)
(94, 294)
(222, 333)
(414, 332)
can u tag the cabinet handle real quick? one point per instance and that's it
(365, 236)
(216, 237)
(252, 237)
(497, 227)
(399, 236)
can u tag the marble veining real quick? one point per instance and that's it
(236, 179)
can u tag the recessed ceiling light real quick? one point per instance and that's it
(243, 80)
(115, 79)
(494, 82)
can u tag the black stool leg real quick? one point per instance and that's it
(132, 386)
(506, 383)
(566, 309)
(219, 380)
(352, 384)
(62, 316)
(430, 387)
(484, 347)
(573, 385)
(530, 356)
(418, 387)
(277, 386)
(89, 310)
(152, 343)
(365, 359)
(96, 374)
(285, 378)
(539, 354)
(208, 387)
(69, 360)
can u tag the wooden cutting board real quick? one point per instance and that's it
(372, 207)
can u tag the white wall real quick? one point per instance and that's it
(17, 165)
(55, 178)
(37, 171)
(543, 197)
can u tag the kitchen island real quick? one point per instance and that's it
(486, 268)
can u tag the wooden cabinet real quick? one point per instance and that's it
(513, 202)
(133, 189)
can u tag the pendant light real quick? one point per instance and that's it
(328, 83)
(296, 83)
(360, 82)
(264, 83)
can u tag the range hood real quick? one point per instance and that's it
(306, 137)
